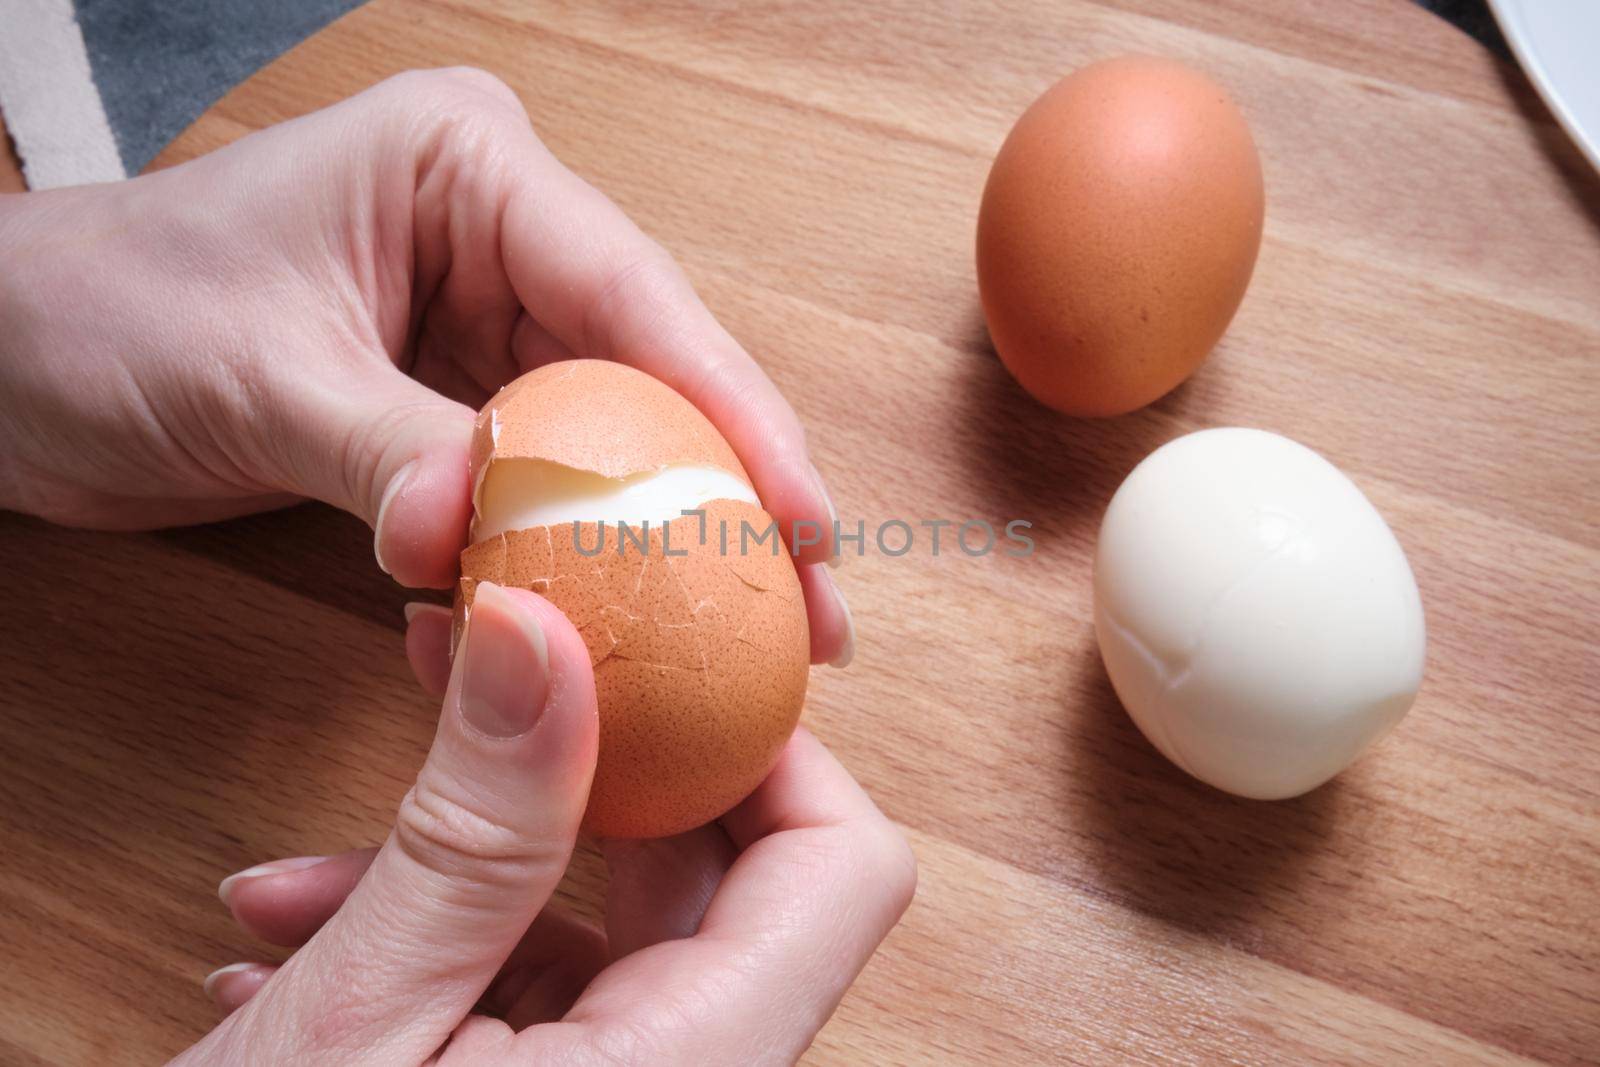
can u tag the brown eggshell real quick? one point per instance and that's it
(600, 416)
(700, 656)
(1117, 234)
(700, 659)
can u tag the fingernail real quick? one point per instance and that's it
(396, 485)
(507, 667)
(834, 556)
(413, 608)
(211, 980)
(262, 870)
(848, 652)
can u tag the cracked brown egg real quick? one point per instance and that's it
(1118, 231)
(695, 624)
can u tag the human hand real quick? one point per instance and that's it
(318, 309)
(730, 944)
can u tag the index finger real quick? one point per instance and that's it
(603, 289)
(823, 878)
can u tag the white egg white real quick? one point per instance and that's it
(1257, 617)
(520, 494)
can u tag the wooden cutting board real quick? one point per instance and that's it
(1426, 313)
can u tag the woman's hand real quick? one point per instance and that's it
(729, 944)
(317, 310)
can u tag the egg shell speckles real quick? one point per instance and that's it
(595, 415)
(1117, 234)
(701, 656)
(700, 660)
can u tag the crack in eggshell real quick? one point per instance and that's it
(566, 413)
(700, 660)
(1173, 668)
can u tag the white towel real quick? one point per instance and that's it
(52, 108)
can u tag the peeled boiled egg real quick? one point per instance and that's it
(696, 631)
(1117, 233)
(1256, 615)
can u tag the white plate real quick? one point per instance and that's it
(1558, 44)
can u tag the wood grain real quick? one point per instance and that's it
(1424, 313)
(10, 167)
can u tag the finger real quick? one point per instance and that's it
(229, 987)
(479, 845)
(549, 968)
(478, 1041)
(822, 879)
(390, 450)
(604, 290)
(99, 510)
(439, 367)
(285, 902)
(833, 632)
(659, 889)
(533, 346)
(428, 645)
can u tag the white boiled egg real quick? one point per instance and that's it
(1256, 615)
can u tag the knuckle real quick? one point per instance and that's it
(467, 129)
(901, 869)
(369, 447)
(623, 1041)
(457, 87)
(674, 1030)
(646, 282)
(744, 393)
(446, 835)
(869, 855)
(345, 1021)
(452, 112)
(889, 863)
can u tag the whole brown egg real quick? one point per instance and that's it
(1117, 234)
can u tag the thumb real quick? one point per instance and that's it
(394, 452)
(480, 843)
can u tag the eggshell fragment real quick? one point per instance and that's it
(700, 660)
(595, 415)
(698, 636)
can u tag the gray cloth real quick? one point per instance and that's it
(160, 63)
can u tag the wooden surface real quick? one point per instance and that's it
(10, 167)
(1426, 313)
